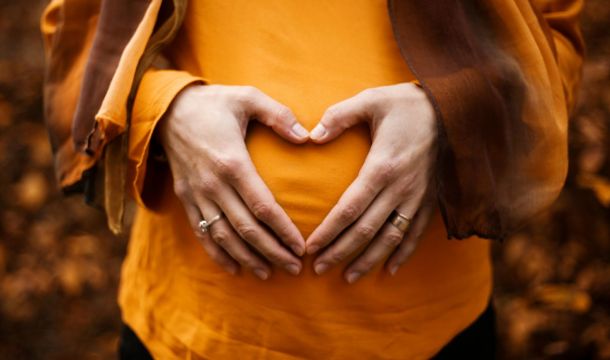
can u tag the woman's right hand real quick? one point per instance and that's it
(203, 137)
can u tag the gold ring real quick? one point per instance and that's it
(205, 224)
(401, 221)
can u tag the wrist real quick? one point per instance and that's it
(176, 107)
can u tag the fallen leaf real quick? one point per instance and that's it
(562, 297)
(32, 191)
(599, 185)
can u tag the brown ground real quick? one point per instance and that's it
(58, 281)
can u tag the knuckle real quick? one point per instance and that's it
(364, 265)
(208, 185)
(262, 210)
(332, 112)
(228, 166)
(283, 230)
(274, 256)
(403, 192)
(249, 91)
(246, 231)
(412, 192)
(391, 240)
(348, 213)
(337, 256)
(248, 262)
(409, 180)
(385, 171)
(333, 115)
(367, 181)
(181, 189)
(281, 115)
(221, 237)
(365, 232)
(370, 94)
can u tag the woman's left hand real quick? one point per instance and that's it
(395, 176)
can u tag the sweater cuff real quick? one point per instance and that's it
(155, 94)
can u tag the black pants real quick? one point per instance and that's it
(478, 341)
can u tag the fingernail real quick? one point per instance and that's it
(312, 249)
(353, 276)
(299, 130)
(297, 249)
(321, 268)
(318, 132)
(294, 269)
(393, 270)
(262, 274)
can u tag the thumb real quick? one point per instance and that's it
(339, 117)
(279, 117)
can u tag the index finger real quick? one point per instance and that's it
(261, 202)
(354, 201)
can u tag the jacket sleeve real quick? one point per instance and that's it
(68, 30)
(520, 166)
(562, 17)
(502, 76)
(97, 54)
(94, 50)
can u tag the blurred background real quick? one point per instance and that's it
(59, 266)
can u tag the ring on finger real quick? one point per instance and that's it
(401, 221)
(205, 224)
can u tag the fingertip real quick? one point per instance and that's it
(299, 133)
(297, 140)
(293, 269)
(319, 133)
(311, 249)
(298, 250)
(352, 277)
(321, 268)
(261, 274)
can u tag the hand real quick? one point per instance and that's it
(203, 137)
(396, 175)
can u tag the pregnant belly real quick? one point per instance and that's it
(308, 179)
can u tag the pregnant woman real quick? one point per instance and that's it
(288, 167)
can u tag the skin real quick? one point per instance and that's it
(205, 121)
(395, 175)
(203, 137)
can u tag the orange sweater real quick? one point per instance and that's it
(180, 302)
